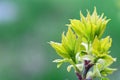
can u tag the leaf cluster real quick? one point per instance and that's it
(84, 48)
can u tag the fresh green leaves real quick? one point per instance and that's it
(100, 47)
(69, 47)
(89, 26)
(83, 47)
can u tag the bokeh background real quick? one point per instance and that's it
(26, 27)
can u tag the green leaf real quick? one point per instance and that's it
(96, 47)
(59, 65)
(103, 26)
(60, 61)
(78, 46)
(71, 38)
(96, 71)
(89, 75)
(75, 24)
(102, 65)
(80, 66)
(59, 49)
(94, 16)
(104, 78)
(69, 68)
(66, 44)
(108, 59)
(70, 42)
(101, 47)
(106, 43)
(107, 71)
(93, 31)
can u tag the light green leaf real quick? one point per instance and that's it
(107, 71)
(106, 43)
(93, 31)
(108, 59)
(105, 78)
(60, 61)
(59, 64)
(96, 47)
(75, 24)
(101, 47)
(59, 49)
(66, 44)
(71, 38)
(96, 71)
(94, 16)
(78, 46)
(83, 19)
(69, 68)
(80, 66)
(89, 75)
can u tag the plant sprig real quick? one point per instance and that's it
(85, 49)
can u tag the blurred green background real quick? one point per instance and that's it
(26, 27)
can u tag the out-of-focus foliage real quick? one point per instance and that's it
(27, 25)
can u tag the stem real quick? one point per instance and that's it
(89, 79)
(87, 65)
(79, 76)
(85, 72)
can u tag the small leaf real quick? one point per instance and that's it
(80, 66)
(89, 75)
(83, 19)
(94, 15)
(107, 71)
(71, 38)
(101, 47)
(106, 43)
(96, 47)
(57, 60)
(66, 44)
(59, 49)
(96, 71)
(69, 68)
(77, 45)
(108, 59)
(59, 64)
(75, 24)
(60, 61)
(85, 46)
